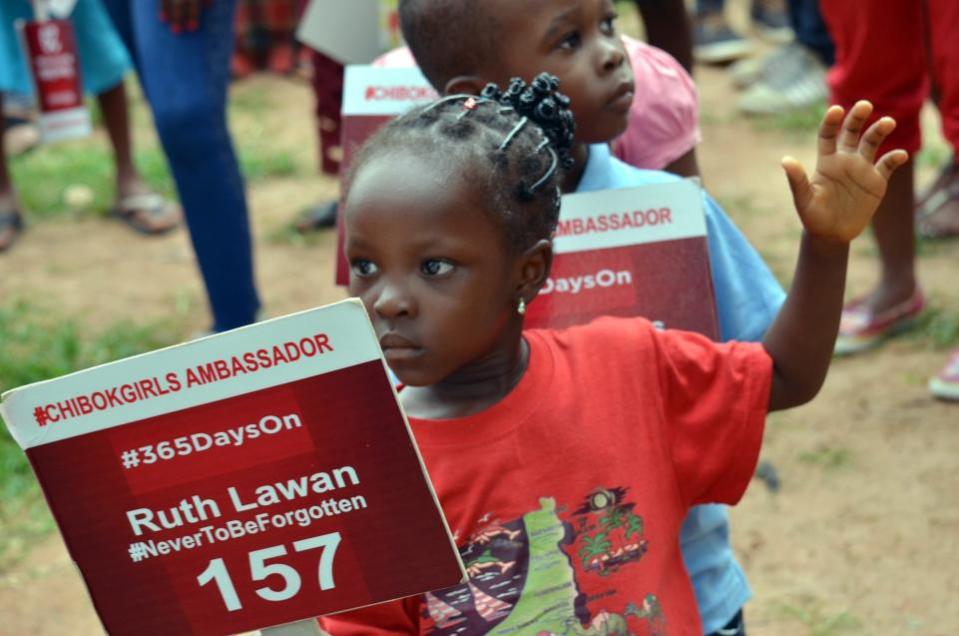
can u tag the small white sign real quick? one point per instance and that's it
(349, 32)
(370, 91)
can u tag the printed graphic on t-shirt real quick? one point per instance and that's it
(550, 572)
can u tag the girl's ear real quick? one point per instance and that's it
(464, 85)
(534, 268)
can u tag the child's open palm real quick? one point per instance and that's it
(848, 185)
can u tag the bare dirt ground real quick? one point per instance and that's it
(862, 538)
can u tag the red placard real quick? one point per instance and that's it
(631, 252)
(246, 480)
(51, 51)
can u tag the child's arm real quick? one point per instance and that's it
(835, 206)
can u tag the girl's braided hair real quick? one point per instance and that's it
(514, 144)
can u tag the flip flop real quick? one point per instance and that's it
(861, 328)
(945, 386)
(943, 191)
(11, 225)
(148, 213)
(19, 136)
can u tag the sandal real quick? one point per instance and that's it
(933, 205)
(20, 136)
(945, 386)
(861, 329)
(147, 213)
(11, 227)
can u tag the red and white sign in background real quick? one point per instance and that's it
(250, 479)
(630, 252)
(51, 53)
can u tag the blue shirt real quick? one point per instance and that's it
(747, 299)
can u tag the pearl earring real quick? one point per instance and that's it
(521, 307)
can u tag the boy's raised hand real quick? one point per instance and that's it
(848, 185)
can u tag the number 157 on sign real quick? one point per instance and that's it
(260, 570)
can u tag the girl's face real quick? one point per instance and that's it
(577, 41)
(433, 270)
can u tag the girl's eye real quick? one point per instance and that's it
(363, 268)
(436, 267)
(570, 41)
(608, 25)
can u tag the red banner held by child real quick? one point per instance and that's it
(250, 479)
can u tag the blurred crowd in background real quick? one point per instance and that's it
(797, 54)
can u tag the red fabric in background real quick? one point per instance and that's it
(328, 88)
(880, 56)
(265, 40)
(265, 36)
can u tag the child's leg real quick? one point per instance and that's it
(6, 186)
(113, 104)
(940, 216)
(893, 228)
(328, 91)
(10, 222)
(880, 58)
(667, 27)
(150, 214)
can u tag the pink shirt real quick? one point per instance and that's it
(664, 118)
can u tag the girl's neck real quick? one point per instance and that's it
(580, 154)
(472, 389)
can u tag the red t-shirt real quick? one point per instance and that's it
(566, 497)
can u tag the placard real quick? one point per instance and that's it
(351, 32)
(631, 252)
(249, 479)
(50, 50)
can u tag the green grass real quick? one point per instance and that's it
(827, 457)
(287, 234)
(937, 327)
(43, 175)
(932, 156)
(818, 622)
(39, 345)
(798, 122)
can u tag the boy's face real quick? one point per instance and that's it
(433, 271)
(576, 40)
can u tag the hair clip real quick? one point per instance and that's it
(440, 102)
(512, 134)
(468, 106)
(549, 173)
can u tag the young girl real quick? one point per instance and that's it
(565, 461)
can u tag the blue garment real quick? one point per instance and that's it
(710, 6)
(810, 29)
(747, 300)
(185, 79)
(103, 58)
